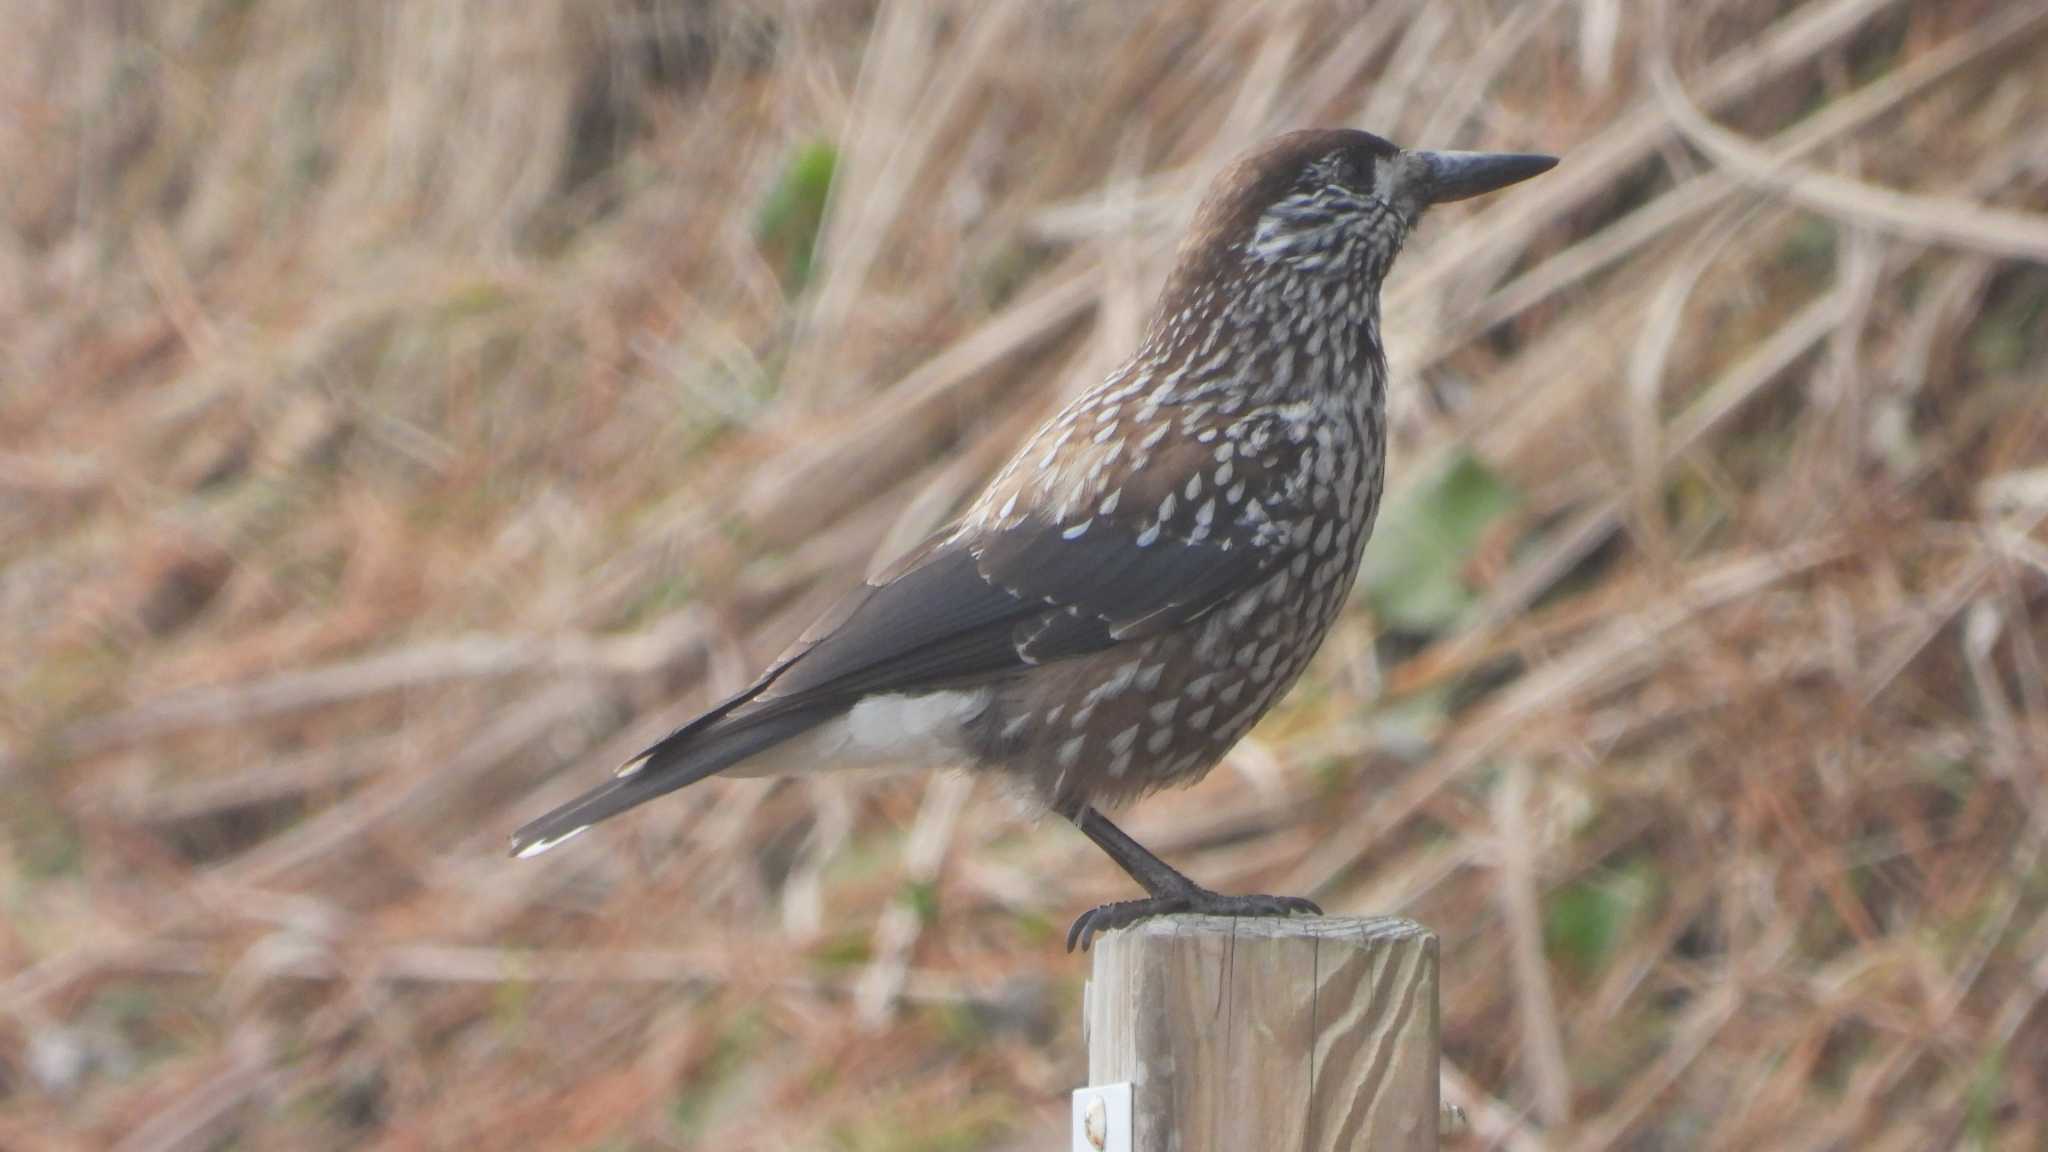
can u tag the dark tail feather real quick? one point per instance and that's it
(688, 755)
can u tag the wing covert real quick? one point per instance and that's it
(975, 608)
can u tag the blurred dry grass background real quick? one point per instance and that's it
(408, 409)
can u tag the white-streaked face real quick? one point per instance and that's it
(1349, 208)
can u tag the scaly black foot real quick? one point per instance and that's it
(1125, 913)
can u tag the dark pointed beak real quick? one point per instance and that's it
(1461, 175)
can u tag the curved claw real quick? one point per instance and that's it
(1121, 914)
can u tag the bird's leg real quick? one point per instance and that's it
(1168, 890)
(1154, 875)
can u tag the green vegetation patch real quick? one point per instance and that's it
(1585, 923)
(794, 212)
(1413, 572)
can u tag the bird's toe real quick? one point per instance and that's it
(1125, 913)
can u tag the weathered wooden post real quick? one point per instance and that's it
(1303, 1033)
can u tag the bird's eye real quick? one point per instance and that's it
(1333, 169)
(1358, 173)
(1339, 172)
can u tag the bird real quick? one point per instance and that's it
(1154, 567)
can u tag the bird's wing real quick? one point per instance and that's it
(978, 606)
(1006, 593)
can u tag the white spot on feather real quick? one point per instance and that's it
(1070, 752)
(1122, 741)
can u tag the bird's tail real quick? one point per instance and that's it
(686, 756)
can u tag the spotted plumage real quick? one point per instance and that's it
(1157, 563)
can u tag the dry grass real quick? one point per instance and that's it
(406, 410)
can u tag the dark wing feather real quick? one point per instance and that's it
(1112, 588)
(933, 621)
(987, 604)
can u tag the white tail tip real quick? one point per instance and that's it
(542, 845)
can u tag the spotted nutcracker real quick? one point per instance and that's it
(1155, 567)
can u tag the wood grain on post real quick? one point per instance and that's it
(1310, 1033)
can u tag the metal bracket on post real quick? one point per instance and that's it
(1102, 1118)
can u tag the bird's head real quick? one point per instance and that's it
(1334, 202)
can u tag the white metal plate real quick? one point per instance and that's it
(1102, 1118)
